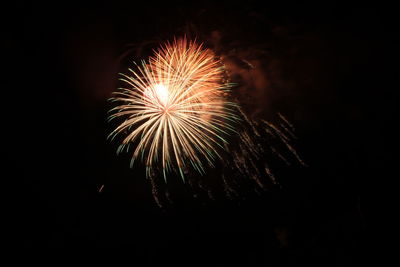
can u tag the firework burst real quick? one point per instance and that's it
(175, 110)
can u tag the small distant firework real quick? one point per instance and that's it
(176, 109)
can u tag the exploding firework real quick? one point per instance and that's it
(178, 112)
(175, 109)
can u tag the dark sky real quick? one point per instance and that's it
(328, 67)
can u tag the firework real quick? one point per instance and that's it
(175, 110)
(177, 113)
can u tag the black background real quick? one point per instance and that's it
(340, 95)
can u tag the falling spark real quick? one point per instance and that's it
(101, 188)
(259, 141)
(175, 109)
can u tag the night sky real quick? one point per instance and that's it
(327, 67)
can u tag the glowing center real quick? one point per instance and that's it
(162, 93)
(158, 94)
